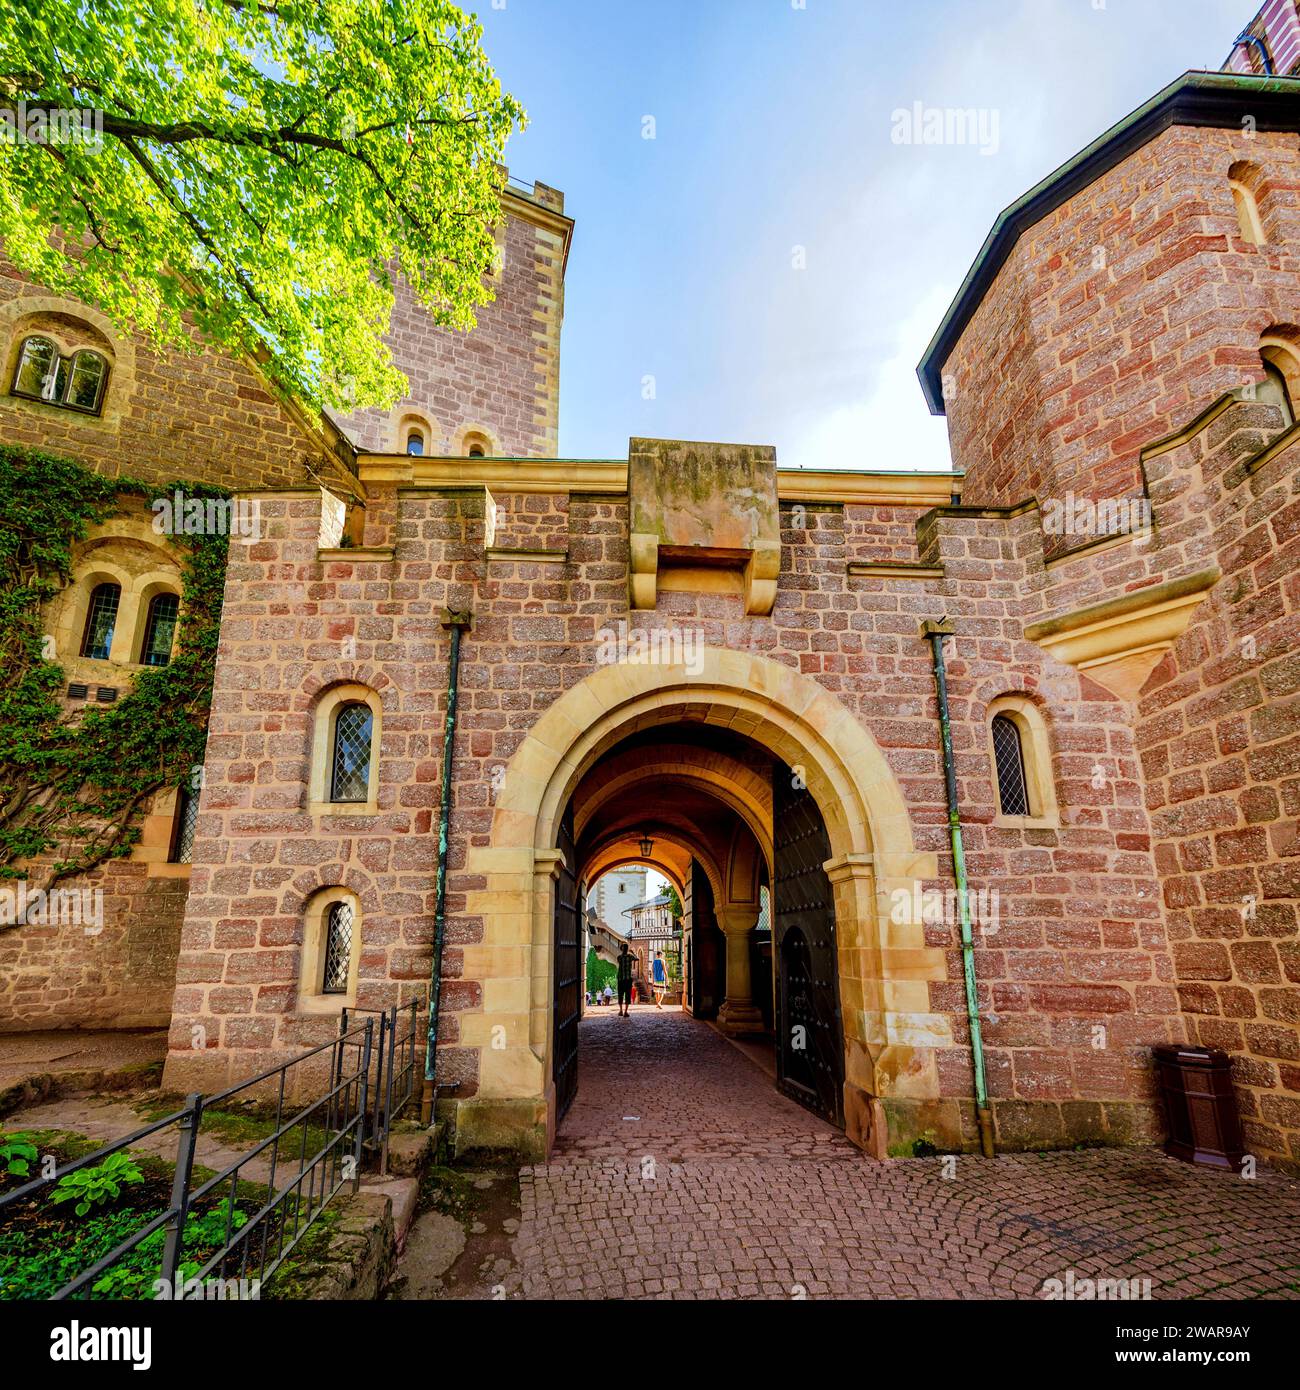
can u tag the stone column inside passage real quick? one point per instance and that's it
(739, 1014)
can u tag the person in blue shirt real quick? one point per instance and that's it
(659, 979)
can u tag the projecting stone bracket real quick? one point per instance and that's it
(704, 510)
(1119, 643)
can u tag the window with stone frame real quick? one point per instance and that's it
(1009, 758)
(75, 381)
(159, 630)
(101, 619)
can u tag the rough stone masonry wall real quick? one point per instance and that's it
(502, 378)
(209, 417)
(1109, 363)
(1079, 943)
(1090, 362)
(123, 976)
(1219, 732)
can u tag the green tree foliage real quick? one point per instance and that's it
(72, 785)
(674, 902)
(599, 972)
(263, 167)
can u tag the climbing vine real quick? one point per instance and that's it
(73, 784)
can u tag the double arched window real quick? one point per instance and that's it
(159, 625)
(74, 382)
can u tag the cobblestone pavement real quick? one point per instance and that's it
(680, 1172)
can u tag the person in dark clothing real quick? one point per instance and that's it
(626, 964)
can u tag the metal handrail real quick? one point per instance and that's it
(352, 1119)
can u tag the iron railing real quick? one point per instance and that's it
(357, 1083)
(394, 1072)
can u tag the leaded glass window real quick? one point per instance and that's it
(338, 948)
(101, 618)
(159, 630)
(350, 769)
(1009, 758)
(187, 814)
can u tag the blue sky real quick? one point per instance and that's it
(773, 259)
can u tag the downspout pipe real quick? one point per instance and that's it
(934, 632)
(456, 622)
(1248, 40)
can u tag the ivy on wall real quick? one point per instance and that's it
(74, 785)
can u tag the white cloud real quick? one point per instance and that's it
(885, 429)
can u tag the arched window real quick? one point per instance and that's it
(1250, 199)
(76, 382)
(159, 630)
(1282, 374)
(1009, 759)
(1273, 390)
(477, 445)
(350, 762)
(38, 366)
(331, 954)
(101, 618)
(1248, 220)
(415, 442)
(338, 948)
(1022, 764)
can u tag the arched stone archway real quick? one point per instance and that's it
(885, 967)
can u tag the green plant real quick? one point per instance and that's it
(17, 1154)
(89, 1187)
(73, 789)
(260, 170)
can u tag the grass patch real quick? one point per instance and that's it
(47, 1245)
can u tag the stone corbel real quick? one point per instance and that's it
(1119, 643)
(643, 570)
(760, 578)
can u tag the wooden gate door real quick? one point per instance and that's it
(569, 967)
(809, 1033)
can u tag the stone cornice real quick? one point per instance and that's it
(543, 475)
(1121, 641)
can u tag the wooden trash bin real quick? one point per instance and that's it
(1201, 1107)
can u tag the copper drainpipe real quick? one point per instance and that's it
(934, 632)
(457, 623)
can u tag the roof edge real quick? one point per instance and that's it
(1195, 98)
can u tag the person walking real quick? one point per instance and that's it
(626, 964)
(659, 979)
(609, 994)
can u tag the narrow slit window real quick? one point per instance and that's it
(187, 815)
(159, 630)
(1009, 758)
(350, 770)
(101, 619)
(338, 948)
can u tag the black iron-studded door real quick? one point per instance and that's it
(568, 971)
(809, 1033)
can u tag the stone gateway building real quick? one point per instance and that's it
(734, 662)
